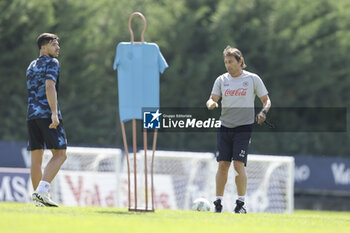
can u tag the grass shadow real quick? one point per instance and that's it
(119, 212)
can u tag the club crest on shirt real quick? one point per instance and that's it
(245, 84)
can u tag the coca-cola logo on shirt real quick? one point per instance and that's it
(237, 92)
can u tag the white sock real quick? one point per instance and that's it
(241, 198)
(219, 198)
(43, 187)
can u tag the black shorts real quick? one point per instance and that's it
(233, 143)
(40, 135)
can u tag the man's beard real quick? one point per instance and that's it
(53, 55)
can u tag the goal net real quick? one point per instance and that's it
(98, 177)
(270, 185)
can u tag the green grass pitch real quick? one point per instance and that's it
(26, 218)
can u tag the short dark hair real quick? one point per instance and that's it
(45, 38)
(229, 51)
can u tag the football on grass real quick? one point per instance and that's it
(201, 204)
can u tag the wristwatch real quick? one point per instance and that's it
(264, 111)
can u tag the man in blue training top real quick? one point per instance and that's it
(44, 119)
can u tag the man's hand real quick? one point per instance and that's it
(211, 104)
(261, 117)
(55, 121)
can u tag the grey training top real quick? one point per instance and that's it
(238, 95)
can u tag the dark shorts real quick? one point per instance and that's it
(233, 143)
(40, 135)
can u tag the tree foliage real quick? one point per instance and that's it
(299, 48)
